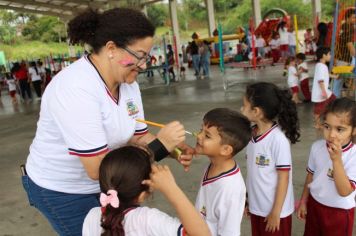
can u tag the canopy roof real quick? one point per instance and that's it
(66, 9)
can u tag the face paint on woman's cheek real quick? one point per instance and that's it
(126, 62)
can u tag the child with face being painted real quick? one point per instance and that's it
(222, 194)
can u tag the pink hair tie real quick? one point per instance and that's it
(110, 198)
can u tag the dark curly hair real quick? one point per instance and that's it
(121, 25)
(342, 106)
(233, 127)
(123, 170)
(275, 102)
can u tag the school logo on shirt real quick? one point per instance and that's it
(132, 109)
(261, 160)
(203, 211)
(331, 173)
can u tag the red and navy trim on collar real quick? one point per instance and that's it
(181, 231)
(347, 146)
(207, 180)
(106, 87)
(89, 152)
(141, 131)
(258, 138)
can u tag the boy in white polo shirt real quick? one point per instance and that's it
(222, 194)
(328, 200)
(321, 94)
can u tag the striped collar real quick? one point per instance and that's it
(347, 146)
(207, 180)
(344, 148)
(106, 87)
(258, 138)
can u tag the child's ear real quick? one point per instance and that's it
(354, 133)
(226, 150)
(142, 197)
(257, 112)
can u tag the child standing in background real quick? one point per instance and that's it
(293, 79)
(321, 94)
(11, 82)
(303, 76)
(125, 177)
(182, 68)
(328, 200)
(269, 162)
(274, 45)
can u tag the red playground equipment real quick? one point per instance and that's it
(270, 22)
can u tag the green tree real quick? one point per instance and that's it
(158, 14)
(45, 28)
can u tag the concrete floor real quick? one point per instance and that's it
(186, 101)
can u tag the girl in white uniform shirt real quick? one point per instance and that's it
(269, 162)
(90, 107)
(328, 200)
(126, 177)
(36, 78)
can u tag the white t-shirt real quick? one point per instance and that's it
(321, 75)
(274, 43)
(140, 221)
(291, 39)
(266, 154)
(283, 35)
(221, 202)
(79, 117)
(323, 188)
(12, 84)
(303, 75)
(292, 77)
(260, 43)
(34, 76)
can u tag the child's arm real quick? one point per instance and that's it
(273, 219)
(162, 179)
(322, 87)
(302, 208)
(334, 76)
(342, 182)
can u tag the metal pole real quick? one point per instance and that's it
(296, 33)
(333, 39)
(221, 53)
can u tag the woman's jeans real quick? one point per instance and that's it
(196, 63)
(65, 212)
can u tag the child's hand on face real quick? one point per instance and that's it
(187, 156)
(335, 150)
(161, 179)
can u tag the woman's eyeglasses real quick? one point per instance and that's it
(141, 60)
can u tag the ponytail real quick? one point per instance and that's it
(82, 28)
(288, 116)
(111, 221)
(123, 170)
(276, 103)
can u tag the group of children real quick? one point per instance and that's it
(298, 75)
(321, 95)
(327, 203)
